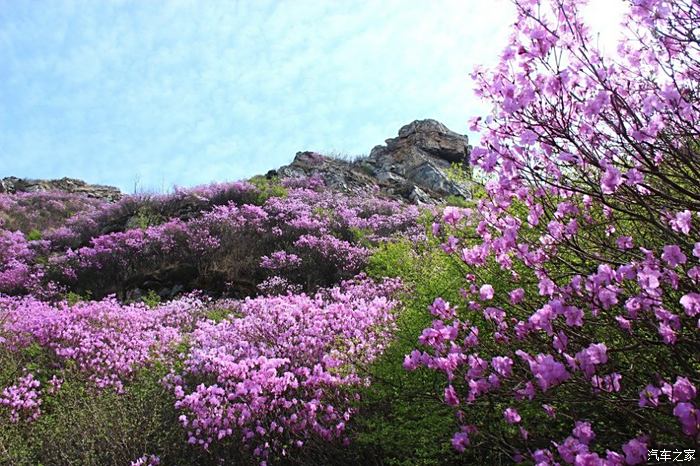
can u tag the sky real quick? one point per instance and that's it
(146, 95)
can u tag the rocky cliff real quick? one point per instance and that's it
(22, 185)
(410, 166)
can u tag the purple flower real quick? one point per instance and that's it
(570, 448)
(625, 242)
(591, 357)
(624, 324)
(516, 296)
(503, 365)
(648, 279)
(451, 215)
(607, 297)
(486, 292)
(560, 341)
(451, 396)
(550, 410)
(441, 308)
(460, 441)
(668, 335)
(546, 287)
(574, 316)
(547, 371)
(682, 222)
(683, 390)
(511, 416)
(635, 451)
(689, 417)
(528, 137)
(673, 255)
(610, 180)
(649, 396)
(691, 304)
(588, 459)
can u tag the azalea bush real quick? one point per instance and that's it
(282, 371)
(576, 336)
(259, 378)
(38, 212)
(307, 237)
(144, 210)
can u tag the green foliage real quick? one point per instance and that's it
(144, 217)
(73, 298)
(267, 187)
(83, 425)
(361, 236)
(403, 420)
(34, 235)
(459, 173)
(457, 201)
(151, 299)
(80, 425)
(218, 314)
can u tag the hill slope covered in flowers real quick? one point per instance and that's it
(552, 319)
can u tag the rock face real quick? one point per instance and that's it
(14, 185)
(410, 166)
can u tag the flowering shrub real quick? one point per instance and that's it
(44, 210)
(23, 400)
(580, 302)
(273, 373)
(277, 374)
(19, 268)
(105, 340)
(307, 237)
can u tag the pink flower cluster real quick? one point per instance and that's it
(276, 375)
(315, 228)
(84, 224)
(146, 460)
(22, 400)
(104, 339)
(591, 219)
(43, 211)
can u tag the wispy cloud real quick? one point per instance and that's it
(187, 92)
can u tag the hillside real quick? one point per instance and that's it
(370, 198)
(536, 303)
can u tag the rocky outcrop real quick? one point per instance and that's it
(410, 166)
(22, 185)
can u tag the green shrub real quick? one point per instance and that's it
(80, 425)
(268, 187)
(34, 235)
(144, 217)
(402, 418)
(151, 299)
(74, 298)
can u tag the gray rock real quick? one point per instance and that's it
(24, 185)
(409, 167)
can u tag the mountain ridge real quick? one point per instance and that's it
(410, 167)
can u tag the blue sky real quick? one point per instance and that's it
(151, 94)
